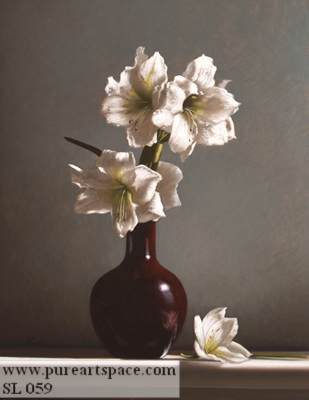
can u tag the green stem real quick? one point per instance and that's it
(280, 354)
(151, 155)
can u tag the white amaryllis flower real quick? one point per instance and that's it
(130, 193)
(214, 338)
(131, 101)
(194, 110)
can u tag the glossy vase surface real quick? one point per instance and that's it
(138, 308)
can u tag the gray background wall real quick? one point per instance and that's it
(241, 236)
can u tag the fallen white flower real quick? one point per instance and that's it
(195, 111)
(131, 193)
(214, 338)
(131, 101)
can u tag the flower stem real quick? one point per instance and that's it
(151, 155)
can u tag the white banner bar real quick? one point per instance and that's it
(88, 378)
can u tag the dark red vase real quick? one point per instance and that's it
(138, 308)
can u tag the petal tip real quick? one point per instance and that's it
(75, 167)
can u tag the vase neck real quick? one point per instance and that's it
(142, 241)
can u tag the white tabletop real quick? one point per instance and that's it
(289, 373)
(252, 374)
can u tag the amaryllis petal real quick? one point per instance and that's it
(114, 163)
(93, 202)
(223, 84)
(124, 86)
(238, 348)
(152, 72)
(198, 350)
(151, 211)
(222, 332)
(215, 105)
(167, 187)
(163, 118)
(218, 134)
(182, 134)
(140, 56)
(116, 110)
(89, 178)
(212, 317)
(229, 330)
(230, 356)
(202, 72)
(198, 331)
(189, 150)
(173, 97)
(144, 185)
(171, 103)
(141, 131)
(112, 86)
(188, 87)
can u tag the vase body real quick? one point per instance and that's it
(138, 308)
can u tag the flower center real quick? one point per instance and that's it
(210, 345)
(142, 103)
(139, 102)
(190, 103)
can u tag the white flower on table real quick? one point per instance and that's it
(131, 101)
(214, 338)
(131, 193)
(194, 110)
